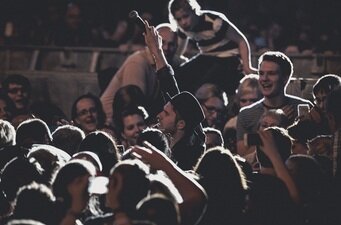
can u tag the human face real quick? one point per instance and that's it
(186, 19)
(4, 114)
(87, 115)
(213, 109)
(167, 119)
(169, 42)
(271, 82)
(18, 94)
(320, 99)
(248, 99)
(133, 125)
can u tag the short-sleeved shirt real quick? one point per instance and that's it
(249, 116)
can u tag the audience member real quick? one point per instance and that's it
(225, 184)
(214, 138)
(159, 209)
(68, 138)
(42, 198)
(155, 137)
(87, 113)
(104, 146)
(138, 69)
(33, 131)
(213, 101)
(248, 92)
(220, 43)
(182, 115)
(18, 89)
(70, 187)
(50, 158)
(193, 195)
(275, 70)
(131, 122)
(128, 184)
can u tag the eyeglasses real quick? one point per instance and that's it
(16, 90)
(245, 100)
(87, 111)
(212, 109)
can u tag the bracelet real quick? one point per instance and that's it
(73, 213)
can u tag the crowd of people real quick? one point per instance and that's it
(165, 145)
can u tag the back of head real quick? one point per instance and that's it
(213, 137)
(283, 143)
(69, 172)
(225, 184)
(156, 137)
(68, 138)
(188, 108)
(33, 131)
(38, 195)
(50, 158)
(159, 209)
(19, 172)
(283, 61)
(104, 146)
(135, 183)
(308, 176)
(7, 134)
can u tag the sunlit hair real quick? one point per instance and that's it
(248, 84)
(175, 5)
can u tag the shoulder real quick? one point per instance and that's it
(213, 15)
(99, 220)
(294, 100)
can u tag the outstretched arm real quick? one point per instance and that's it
(194, 196)
(270, 149)
(244, 49)
(165, 72)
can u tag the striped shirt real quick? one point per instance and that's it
(210, 35)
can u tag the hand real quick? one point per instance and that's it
(150, 155)
(269, 144)
(152, 38)
(290, 112)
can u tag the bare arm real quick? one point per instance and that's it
(182, 46)
(244, 49)
(194, 196)
(270, 149)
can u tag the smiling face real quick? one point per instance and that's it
(133, 126)
(272, 82)
(19, 95)
(87, 117)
